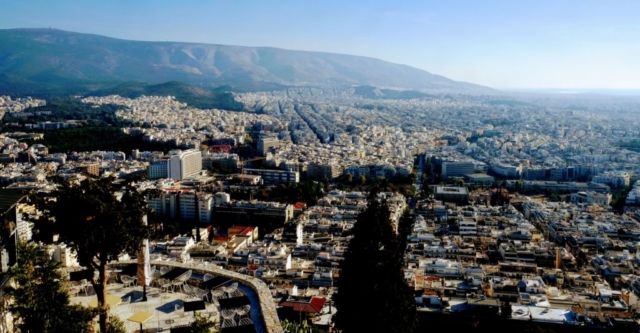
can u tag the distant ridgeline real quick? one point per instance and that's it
(52, 62)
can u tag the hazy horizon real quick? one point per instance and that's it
(571, 45)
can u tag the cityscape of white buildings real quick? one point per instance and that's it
(15, 105)
(559, 146)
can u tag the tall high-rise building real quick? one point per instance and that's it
(184, 163)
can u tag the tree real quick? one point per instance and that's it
(40, 299)
(429, 168)
(373, 295)
(116, 325)
(427, 190)
(293, 327)
(413, 177)
(201, 324)
(404, 227)
(98, 224)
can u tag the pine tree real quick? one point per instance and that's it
(97, 223)
(202, 324)
(40, 301)
(404, 228)
(373, 296)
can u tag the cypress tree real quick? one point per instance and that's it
(373, 296)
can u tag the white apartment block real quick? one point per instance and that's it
(166, 204)
(468, 226)
(184, 204)
(511, 170)
(188, 207)
(184, 164)
(23, 227)
(591, 198)
(205, 207)
(65, 255)
(613, 179)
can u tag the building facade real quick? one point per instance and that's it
(613, 179)
(265, 143)
(159, 169)
(184, 163)
(591, 198)
(457, 169)
(183, 204)
(267, 215)
(324, 170)
(275, 177)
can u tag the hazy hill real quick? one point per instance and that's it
(204, 98)
(43, 56)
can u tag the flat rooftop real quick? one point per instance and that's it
(523, 312)
(451, 190)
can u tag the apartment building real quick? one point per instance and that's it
(293, 233)
(273, 257)
(159, 169)
(265, 143)
(468, 226)
(89, 168)
(10, 202)
(184, 204)
(275, 177)
(562, 187)
(507, 169)
(222, 161)
(324, 170)
(165, 204)
(268, 215)
(591, 198)
(194, 206)
(64, 255)
(613, 179)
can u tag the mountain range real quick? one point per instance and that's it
(43, 57)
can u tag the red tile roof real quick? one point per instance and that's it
(313, 306)
(247, 231)
(299, 205)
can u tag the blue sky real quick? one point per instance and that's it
(502, 44)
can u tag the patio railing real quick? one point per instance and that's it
(267, 306)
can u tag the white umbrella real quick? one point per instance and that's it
(144, 265)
